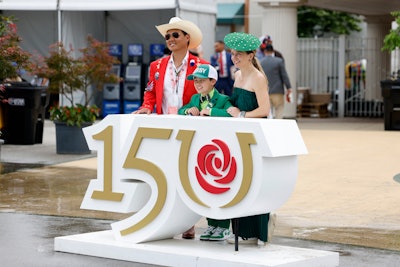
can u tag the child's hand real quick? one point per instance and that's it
(193, 111)
(205, 112)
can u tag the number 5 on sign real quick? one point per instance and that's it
(167, 171)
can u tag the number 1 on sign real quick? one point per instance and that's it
(107, 194)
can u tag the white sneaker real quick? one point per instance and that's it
(242, 240)
(220, 234)
(261, 243)
(207, 233)
(271, 226)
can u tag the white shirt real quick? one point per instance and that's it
(174, 82)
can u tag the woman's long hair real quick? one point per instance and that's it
(256, 62)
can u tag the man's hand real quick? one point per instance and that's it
(288, 92)
(142, 111)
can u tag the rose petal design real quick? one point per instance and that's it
(202, 155)
(210, 167)
(225, 151)
(230, 175)
(208, 187)
(217, 162)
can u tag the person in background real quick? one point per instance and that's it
(208, 102)
(250, 100)
(267, 40)
(278, 79)
(198, 51)
(222, 61)
(167, 89)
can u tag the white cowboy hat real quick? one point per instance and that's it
(184, 25)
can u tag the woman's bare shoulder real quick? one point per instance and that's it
(259, 82)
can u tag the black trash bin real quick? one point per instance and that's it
(391, 103)
(24, 113)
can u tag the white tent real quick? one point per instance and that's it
(44, 22)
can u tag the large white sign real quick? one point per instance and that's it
(167, 171)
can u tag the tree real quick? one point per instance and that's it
(68, 74)
(315, 22)
(12, 58)
(392, 39)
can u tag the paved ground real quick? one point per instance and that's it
(345, 191)
(345, 199)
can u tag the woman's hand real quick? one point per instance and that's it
(233, 111)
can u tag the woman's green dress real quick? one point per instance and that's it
(257, 225)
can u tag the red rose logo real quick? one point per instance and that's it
(221, 170)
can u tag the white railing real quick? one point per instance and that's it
(317, 68)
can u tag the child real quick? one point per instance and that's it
(208, 102)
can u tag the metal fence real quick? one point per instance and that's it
(317, 68)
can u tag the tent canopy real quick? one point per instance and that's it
(102, 5)
(86, 5)
(28, 5)
(43, 22)
(207, 6)
(230, 13)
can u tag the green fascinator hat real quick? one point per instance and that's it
(241, 41)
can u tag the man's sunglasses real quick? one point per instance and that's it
(174, 34)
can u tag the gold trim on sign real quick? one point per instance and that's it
(186, 137)
(245, 140)
(156, 172)
(107, 194)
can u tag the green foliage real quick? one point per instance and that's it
(61, 69)
(74, 115)
(392, 39)
(68, 74)
(326, 20)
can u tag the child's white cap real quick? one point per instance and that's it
(204, 71)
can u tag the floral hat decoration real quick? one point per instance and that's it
(241, 41)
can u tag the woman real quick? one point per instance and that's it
(251, 100)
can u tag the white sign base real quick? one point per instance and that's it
(196, 253)
(172, 170)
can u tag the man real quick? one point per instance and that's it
(266, 40)
(222, 62)
(167, 89)
(274, 68)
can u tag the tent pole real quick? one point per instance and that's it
(106, 14)
(59, 22)
(59, 36)
(177, 9)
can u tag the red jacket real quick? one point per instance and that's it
(155, 86)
